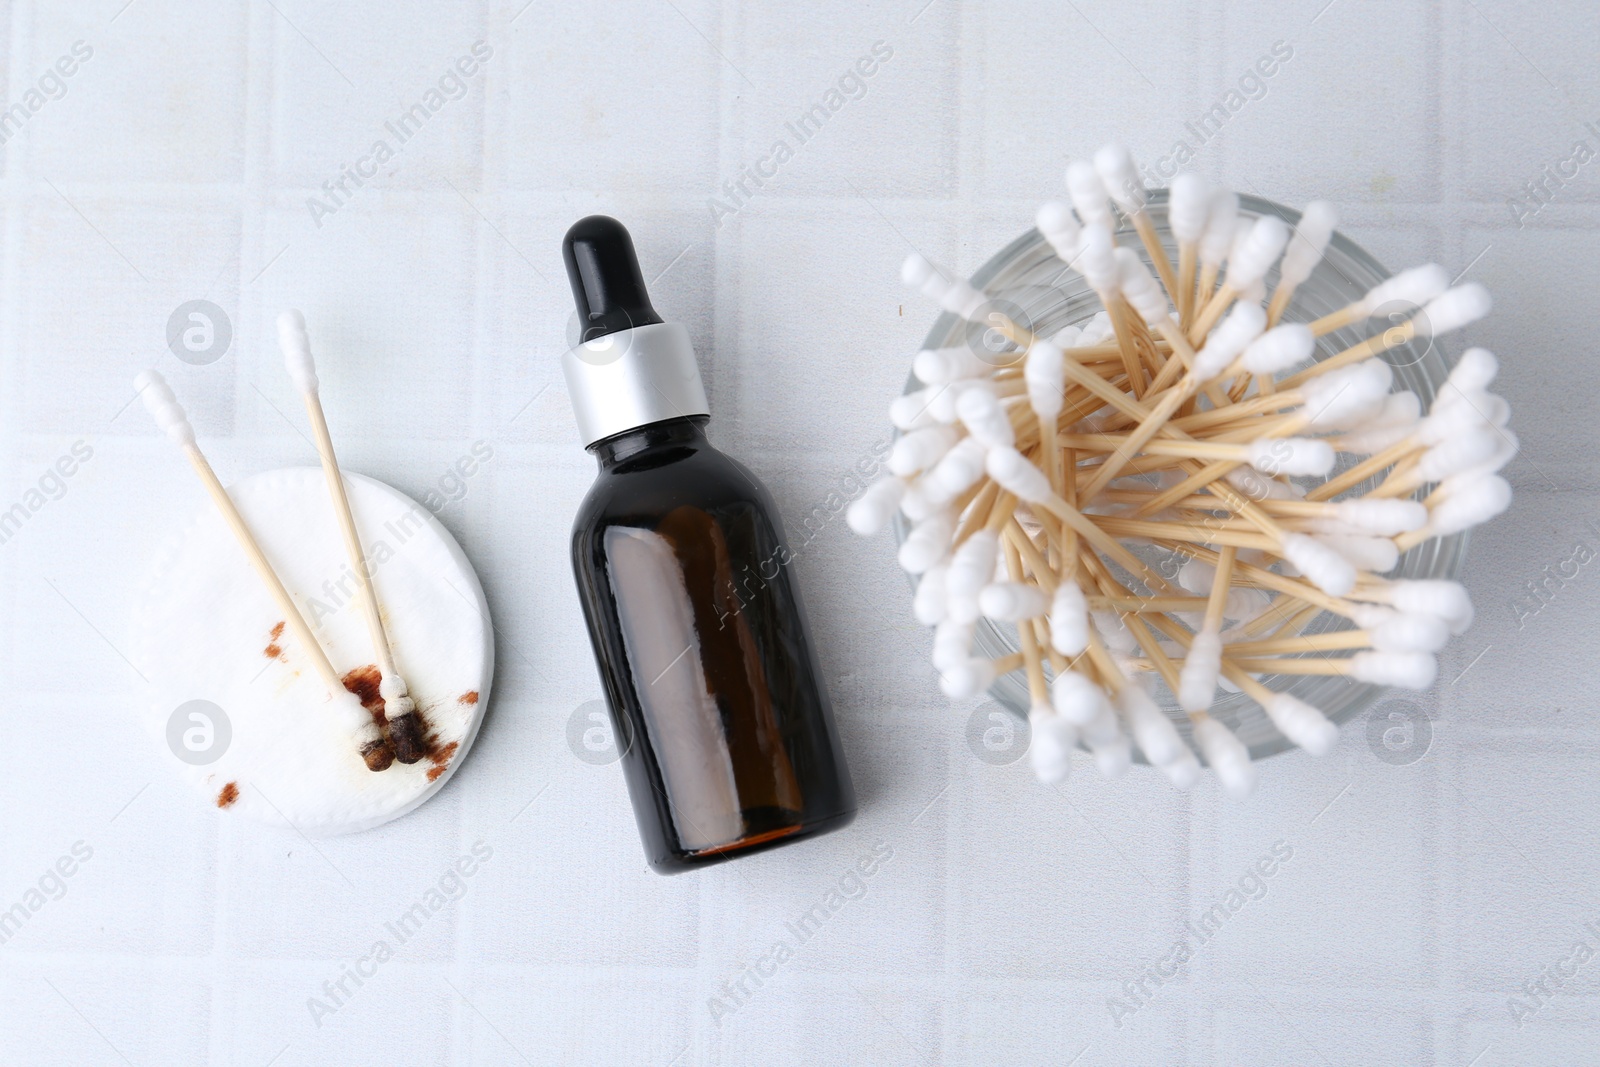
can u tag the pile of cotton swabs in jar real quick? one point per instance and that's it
(1179, 417)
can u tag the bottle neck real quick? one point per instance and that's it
(688, 431)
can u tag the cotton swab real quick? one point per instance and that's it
(400, 710)
(158, 397)
(1310, 240)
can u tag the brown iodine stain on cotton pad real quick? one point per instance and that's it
(204, 618)
(273, 649)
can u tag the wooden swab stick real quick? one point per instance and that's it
(169, 415)
(405, 725)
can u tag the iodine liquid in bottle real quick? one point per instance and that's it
(727, 736)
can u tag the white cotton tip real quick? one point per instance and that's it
(1322, 566)
(1152, 731)
(1197, 577)
(1347, 396)
(1102, 727)
(920, 449)
(927, 543)
(1486, 406)
(938, 365)
(1197, 681)
(355, 720)
(1088, 195)
(1452, 310)
(1188, 203)
(1506, 445)
(1217, 237)
(1114, 632)
(1245, 604)
(1456, 454)
(1097, 261)
(1474, 370)
(1068, 337)
(1183, 771)
(1241, 326)
(1407, 670)
(296, 346)
(957, 470)
(163, 404)
(916, 271)
(1241, 234)
(1051, 743)
(1399, 409)
(1279, 348)
(1113, 758)
(1227, 756)
(1371, 616)
(1376, 554)
(1415, 287)
(1058, 226)
(928, 603)
(1012, 601)
(1480, 499)
(917, 504)
(1367, 439)
(973, 565)
(872, 510)
(985, 418)
(1373, 378)
(1046, 376)
(1449, 420)
(1017, 476)
(910, 411)
(963, 300)
(1292, 456)
(1069, 620)
(1389, 424)
(1257, 486)
(1302, 724)
(1382, 518)
(960, 609)
(1114, 164)
(1250, 261)
(952, 643)
(1433, 596)
(1496, 410)
(1097, 330)
(943, 404)
(1078, 700)
(1310, 240)
(953, 295)
(1410, 633)
(1139, 287)
(962, 681)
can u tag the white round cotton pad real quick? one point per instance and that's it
(206, 630)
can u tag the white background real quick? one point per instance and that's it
(177, 166)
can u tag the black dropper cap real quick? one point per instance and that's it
(607, 284)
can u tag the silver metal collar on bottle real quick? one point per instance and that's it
(632, 378)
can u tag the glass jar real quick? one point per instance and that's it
(1028, 282)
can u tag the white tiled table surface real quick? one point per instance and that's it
(1420, 896)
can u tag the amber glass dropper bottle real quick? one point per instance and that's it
(728, 740)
